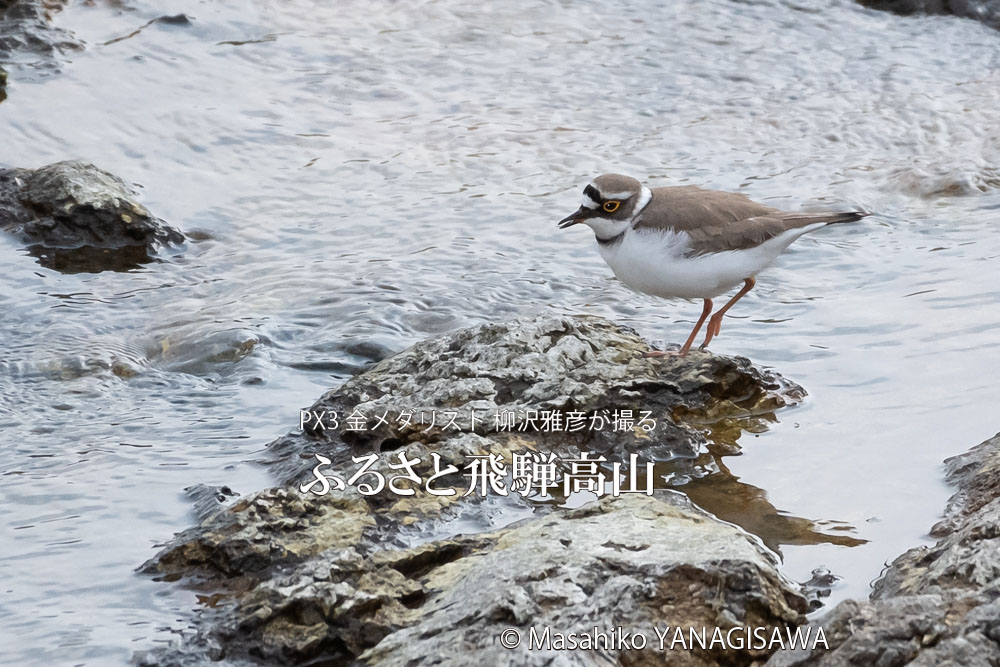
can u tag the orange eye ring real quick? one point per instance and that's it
(611, 206)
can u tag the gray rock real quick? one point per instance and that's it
(987, 11)
(208, 501)
(532, 366)
(76, 217)
(937, 605)
(382, 579)
(27, 36)
(637, 563)
(193, 351)
(634, 562)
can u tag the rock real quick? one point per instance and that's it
(538, 369)
(387, 578)
(27, 37)
(936, 605)
(635, 563)
(208, 500)
(987, 11)
(194, 351)
(76, 217)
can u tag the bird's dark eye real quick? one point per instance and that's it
(611, 206)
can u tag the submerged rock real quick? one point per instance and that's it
(396, 578)
(27, 36)
(76, 217)
(195, 351)
(987, 11)
(937, 605)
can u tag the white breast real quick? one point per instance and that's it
(655, 262)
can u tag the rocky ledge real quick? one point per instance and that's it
(75, 217)
(937, 605)
(414, 573)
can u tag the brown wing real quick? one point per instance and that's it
(718, 221)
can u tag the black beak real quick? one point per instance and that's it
(581, 214)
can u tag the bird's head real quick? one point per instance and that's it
(610, 202)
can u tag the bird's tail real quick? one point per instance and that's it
(802, 219)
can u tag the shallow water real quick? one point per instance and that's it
(374, 174)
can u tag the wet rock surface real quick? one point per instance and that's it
(28, 37)
(637, 562)
(386, 579)
(937, 605)
(76, 217)
(987, 11)
(544, 372)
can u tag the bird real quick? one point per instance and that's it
(688, 242)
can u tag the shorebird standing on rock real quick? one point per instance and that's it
(686, 242)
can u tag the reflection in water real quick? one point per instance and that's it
(710, 484)
(89, 259)
(713, 487)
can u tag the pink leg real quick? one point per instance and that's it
(706, 309)
(715, 324)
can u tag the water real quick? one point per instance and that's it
(372, 174)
